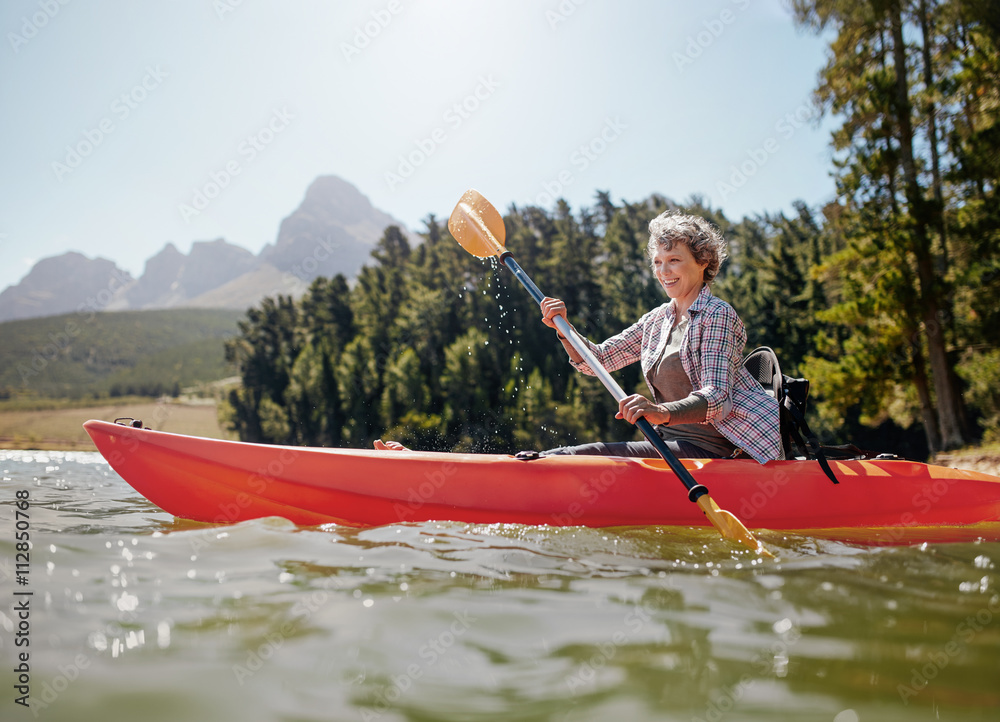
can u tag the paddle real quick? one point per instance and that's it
(479, 229)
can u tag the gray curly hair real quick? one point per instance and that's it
(703, 239)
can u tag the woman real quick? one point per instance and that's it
(705, 404)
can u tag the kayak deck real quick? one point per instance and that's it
(876, 501)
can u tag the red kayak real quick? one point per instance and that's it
(877, 501)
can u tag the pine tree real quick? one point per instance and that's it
(871, 82)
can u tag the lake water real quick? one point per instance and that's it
(136, 615)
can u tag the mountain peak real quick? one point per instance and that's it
(333, 231)
(172, 278)
(61, 284)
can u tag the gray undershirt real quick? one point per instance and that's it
(673, 389)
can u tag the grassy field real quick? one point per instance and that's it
(75, 356)
(62, 428)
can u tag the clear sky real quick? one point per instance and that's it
(126, 125)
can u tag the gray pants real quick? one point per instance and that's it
(682, 449)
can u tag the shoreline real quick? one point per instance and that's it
(984, 459)
(61, 429)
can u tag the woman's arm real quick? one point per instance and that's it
(690, 410)
(614, 353)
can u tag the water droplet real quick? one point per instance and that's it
(163, 635)
(782, 625)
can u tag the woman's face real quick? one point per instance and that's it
(678, 272)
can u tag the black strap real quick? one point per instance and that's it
(813, 443)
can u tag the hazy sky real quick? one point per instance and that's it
(129, 124)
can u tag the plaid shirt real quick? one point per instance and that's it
(711, 355)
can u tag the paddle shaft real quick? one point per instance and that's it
(695, 490)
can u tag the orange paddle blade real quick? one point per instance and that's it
(477, 225)
(729, 526)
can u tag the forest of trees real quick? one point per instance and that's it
(885, 298)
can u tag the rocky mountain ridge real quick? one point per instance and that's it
(332, 231)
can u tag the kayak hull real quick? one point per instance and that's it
(877, 501)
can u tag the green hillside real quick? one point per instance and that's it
(129, 352)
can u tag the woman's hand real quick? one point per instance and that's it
(552, 307)
(634, 407)
(389, 445)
